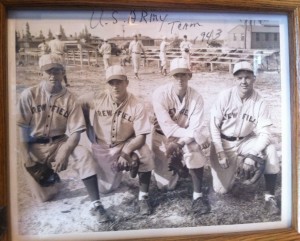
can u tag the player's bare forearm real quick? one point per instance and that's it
(135, 144)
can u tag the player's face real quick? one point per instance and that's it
(181, 81)
(54, 77)
(246, 81)
(118, 89)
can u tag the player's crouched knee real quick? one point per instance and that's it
(221, 190)
(272, 160)
(85, 163)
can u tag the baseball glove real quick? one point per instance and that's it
(186, 50)
(252, 174)
(133, 163)
(174, 157)
(43, 174)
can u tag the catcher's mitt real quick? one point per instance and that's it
(175, 156)
(253, 174)
(43, 174)
(186, 50)
(133, 163)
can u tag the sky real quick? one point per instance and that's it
(107, 24)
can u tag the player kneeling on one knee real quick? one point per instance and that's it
(240, 130)
(178, 111)
(118, 133)
(45, 113)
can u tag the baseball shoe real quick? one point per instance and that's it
(144, 207)
(271, 206)
(200, 206)
(68, 85)
(98, 210)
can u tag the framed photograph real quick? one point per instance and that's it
(215, 84)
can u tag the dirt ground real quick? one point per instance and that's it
(68, 212)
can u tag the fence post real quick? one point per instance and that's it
(96, 56)
(81, 57)
(74, 57)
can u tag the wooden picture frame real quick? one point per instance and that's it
(291, 8)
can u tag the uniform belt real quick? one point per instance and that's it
(231, 138)
(46, 140)
(135, 53)
(159, 132)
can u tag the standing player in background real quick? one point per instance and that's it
(179, 115)
(162, 55)
(58, 47)
(240, 128)
(136, 48)
(43, 47)
(105, 50)
(118, 135)
(45, 113)
(186, 48)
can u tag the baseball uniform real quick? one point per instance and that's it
(114, 126)
(176, 119)
(44, 48)
(105, 50)
(185, 48)
(47, 117)
(163, 54)
(136, 48)
(239, 128)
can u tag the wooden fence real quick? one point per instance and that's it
(211, 57)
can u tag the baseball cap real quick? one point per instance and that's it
(179, 65)
(115, 72)
(244, 65)
(49, 61)
(184, 36)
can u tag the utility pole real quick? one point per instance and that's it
(123, 30)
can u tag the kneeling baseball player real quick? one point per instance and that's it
(118, 135)
(176, 145)
(45, 113)
(240, 130)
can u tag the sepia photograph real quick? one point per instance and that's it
(140, 123)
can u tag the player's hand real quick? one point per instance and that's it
(205, 144)
(223, 160)
(201, 138)
(172, 148)
(61, 160)
(28, 162)
(122, 162)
